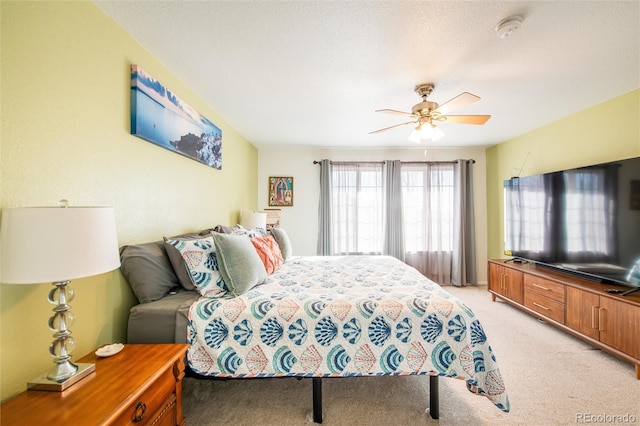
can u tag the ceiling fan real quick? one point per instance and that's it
(427, 114)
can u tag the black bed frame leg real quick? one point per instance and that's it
(434, 397)
(317, 400)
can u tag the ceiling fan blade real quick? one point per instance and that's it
(464, 119)
(396, 112)
(391, 127)
(462, 100)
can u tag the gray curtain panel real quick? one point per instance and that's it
(324, 210)
(463, 268)
(394, 221)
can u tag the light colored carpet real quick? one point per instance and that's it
(551, 378)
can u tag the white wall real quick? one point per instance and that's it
(301, 220)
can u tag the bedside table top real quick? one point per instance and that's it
(117, 382)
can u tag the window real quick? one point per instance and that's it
(427, 194)
(357, 208)
(434, 232)
(358, 213)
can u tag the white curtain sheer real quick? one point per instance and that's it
(358, 208)
(421, 213)
(428, 218)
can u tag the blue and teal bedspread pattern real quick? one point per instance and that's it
(333, 316)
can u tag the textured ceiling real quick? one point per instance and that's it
(313, 72)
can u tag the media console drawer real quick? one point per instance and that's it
(547, 288)
(547, 307)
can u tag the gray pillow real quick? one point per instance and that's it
(147, 269)
(222, 229)
(238, 262)
(178, 262)
(283, 242)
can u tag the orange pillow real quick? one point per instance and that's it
(269, 253)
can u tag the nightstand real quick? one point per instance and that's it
(141, 385)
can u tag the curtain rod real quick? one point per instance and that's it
(402, 162)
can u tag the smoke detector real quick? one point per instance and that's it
(508, 25)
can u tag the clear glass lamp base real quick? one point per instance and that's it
(64, 373)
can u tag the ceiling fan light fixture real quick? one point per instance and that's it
(425, 132)
(426, 114)
(437, 134)
(415, 135)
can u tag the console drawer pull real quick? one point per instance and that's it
(141, 410)
(543, 307)
(595, 317)
(541, 287)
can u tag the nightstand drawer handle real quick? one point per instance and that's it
(141, 409)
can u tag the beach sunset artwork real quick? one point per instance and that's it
(160, 117)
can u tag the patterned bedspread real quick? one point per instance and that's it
(337, 316)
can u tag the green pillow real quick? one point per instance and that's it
(283, 242)
(238, 262)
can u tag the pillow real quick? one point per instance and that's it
(221, 229)
(269, 253)
(239, 264)
(177, 261)
(283, 242)
(147, 269)
(250, 232)
(199, 258)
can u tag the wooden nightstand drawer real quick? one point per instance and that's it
(546, 288)
(547, 307)
(168, 413)
(145, 407)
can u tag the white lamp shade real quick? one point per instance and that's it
(49, 244)
(250, 219)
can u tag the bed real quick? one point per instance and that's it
(311, 317)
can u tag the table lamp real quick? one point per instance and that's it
(58, 244)
(250, 219)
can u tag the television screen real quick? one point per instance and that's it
(584, 220)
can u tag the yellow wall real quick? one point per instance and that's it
(65, 134)
(606, 132)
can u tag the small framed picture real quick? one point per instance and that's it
(280, 191)
(273, 218)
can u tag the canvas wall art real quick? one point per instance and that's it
(160, 117)
(280, 191)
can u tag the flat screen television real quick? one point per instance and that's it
(584, 220)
